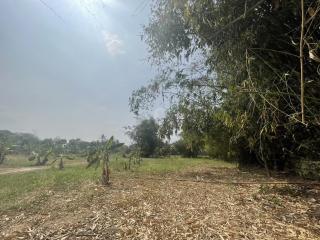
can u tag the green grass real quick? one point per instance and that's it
(177, 164)
(15, 189)
(172, 164)
(17, 161)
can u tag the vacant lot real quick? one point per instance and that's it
(161, 199)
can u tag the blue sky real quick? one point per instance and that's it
(68, 67)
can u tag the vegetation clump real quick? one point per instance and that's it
(3, 153)
(41, 158)
(100, 156)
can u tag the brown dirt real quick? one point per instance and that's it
(13, 170)
(136, 208)
(20, 170)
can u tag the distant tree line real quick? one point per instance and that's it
(148, 140)
(26, 143)
(145, 136)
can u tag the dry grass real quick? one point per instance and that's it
(136, 208)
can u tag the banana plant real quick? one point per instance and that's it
(134, 158)
(60, 154)
(41, 158)
(61, 157)
(3, 153)
(100, 156)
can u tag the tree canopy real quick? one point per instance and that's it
(231, 71)
(145, 137)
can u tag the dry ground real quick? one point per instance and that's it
(8, 170)
(158, 207)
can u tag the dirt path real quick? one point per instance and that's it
(4, 171)
(11, 170)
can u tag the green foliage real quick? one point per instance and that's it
(25, 143)
(3, 152)
(55, 148)
(101, 156)
(41, 158)
(18, 142)
(132, 161)
(46, 151)
(164, 150)
(187, 148)
(14, 194)
(176, 164)
(78, 146)
(146, 138)
(309, 169)
(230, 70)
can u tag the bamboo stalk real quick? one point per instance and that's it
(301, 62)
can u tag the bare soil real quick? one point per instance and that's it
(8, 170)
(161, 208)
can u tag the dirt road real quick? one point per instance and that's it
(11, 170)
(4, 171)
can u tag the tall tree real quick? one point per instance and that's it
(145, 135)
(236, 64)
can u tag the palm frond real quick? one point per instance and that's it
(109, 143)
(54, 161)
(93, 160)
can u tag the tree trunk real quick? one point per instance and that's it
(2, 157)
(61, 166)
(105, 179)
(267, 168)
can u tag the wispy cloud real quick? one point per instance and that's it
(113, 43)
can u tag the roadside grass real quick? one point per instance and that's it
(16, 190)
(19, 160)
(15, 160)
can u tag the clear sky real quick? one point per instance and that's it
(68, 67)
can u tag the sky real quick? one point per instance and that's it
(68, 67)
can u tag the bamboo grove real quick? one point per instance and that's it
(241, 77)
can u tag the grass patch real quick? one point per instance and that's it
(13, 161)
(15, 187)
(19, 160)
(168, 165)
